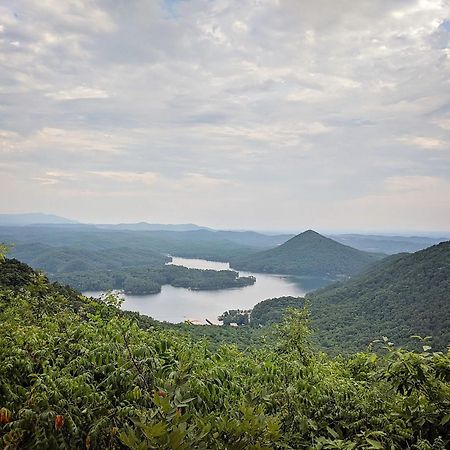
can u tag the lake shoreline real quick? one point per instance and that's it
(178, 304)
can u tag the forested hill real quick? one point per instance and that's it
(402, 295)
(308, 254)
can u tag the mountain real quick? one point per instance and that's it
(308, 254)
(400, 296)
(144, 226)
(32, 219)
(387, 244)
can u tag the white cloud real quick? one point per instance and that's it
(427, 143)
(127, 177)
(412, 183)
(443, 122)
(46, 181)
(78, 92)
(49, 140)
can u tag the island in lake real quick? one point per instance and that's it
(149, 280)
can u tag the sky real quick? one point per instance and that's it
(248, 114)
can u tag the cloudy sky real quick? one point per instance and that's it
(262, 114)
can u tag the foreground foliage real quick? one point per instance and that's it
(91, 377)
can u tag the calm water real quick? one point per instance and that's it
(175, 305)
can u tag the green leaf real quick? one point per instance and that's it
(374, 444)
(333, 433)
(155, 430)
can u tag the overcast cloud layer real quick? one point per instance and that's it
(258, 114)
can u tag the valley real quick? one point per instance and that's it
(369, 295)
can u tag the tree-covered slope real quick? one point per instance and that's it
(400, 296)
(273, 310)
(66, 260)
(308, 254)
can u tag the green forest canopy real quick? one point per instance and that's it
(400, 296)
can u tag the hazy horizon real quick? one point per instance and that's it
(233, 115)
(293, 230)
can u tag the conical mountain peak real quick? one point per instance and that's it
(310, 254)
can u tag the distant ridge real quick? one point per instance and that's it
(145, 226)
(309, 254)
(33, 219)
(388, 244)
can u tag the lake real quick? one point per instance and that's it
(175, 304)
